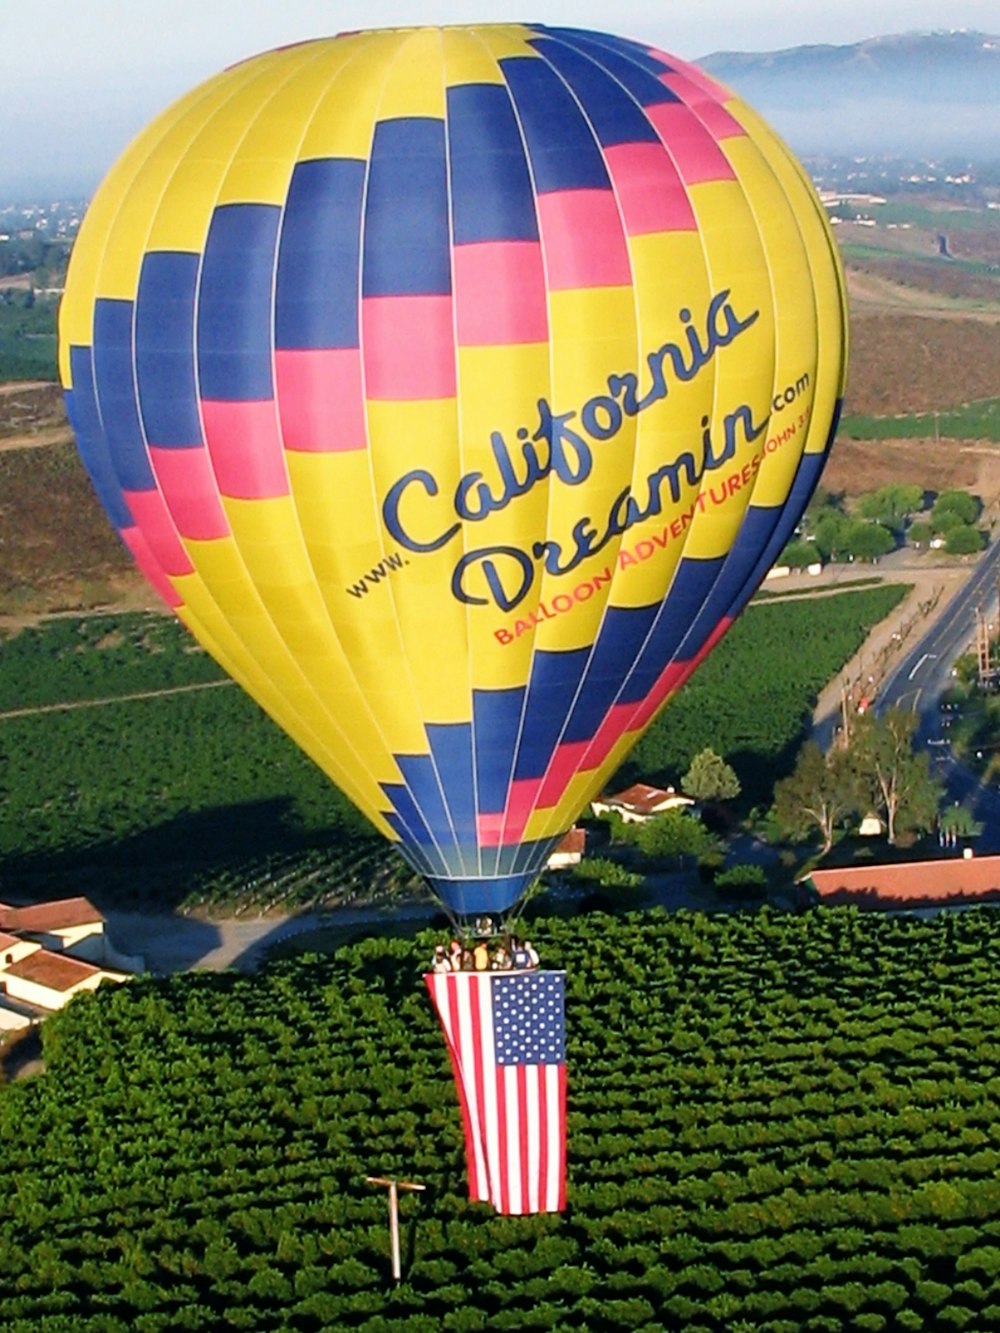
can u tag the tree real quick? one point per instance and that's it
(710, 778)
(891, 505)
(959, 503)
(868, 541)
(899, 782)
(964, 541)
(958, 821)
(919, 531)
(798, 554)
(821, 791)
(829, 533)
(946, 521)
(674, 833)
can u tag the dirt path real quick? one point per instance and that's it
(21, 386)
(114, 699)
(37, 439)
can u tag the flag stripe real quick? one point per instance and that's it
(475, 1044)
(544, 1112)
(478, 1188)
(501, 1182)
(523, 1135)
(558, 1179)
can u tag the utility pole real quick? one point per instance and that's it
(845, 713)
(982, 647)
(394, 1186)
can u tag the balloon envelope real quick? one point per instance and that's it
(457, 387)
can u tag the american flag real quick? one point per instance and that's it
(507, 1040)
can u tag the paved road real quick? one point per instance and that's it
(178, 943)
(925, 674)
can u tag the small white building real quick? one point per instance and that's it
(870, 827)
(49, 980)
(13, 949)
(570, 851)
(49, 952)
(640, 802)
(72, 926)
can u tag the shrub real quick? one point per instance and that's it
(964, 541)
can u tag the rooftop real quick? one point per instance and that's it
(913, 883)
(60, 915)
(574, 841)
(645, 799)
(56, 971)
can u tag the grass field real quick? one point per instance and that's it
(973, 421)
(943, 219)
(28, 340)
(858, 251)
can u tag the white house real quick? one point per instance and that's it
(70, 925)
(13, 949)
(49, 952)
(49, 980)
(640, 802)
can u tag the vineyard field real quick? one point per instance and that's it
(777, 1124)
(752, 697)
(28, 340)
(196, 797)
(68, 660)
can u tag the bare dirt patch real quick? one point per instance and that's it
(902, 362)
(31, 408)
(856, 466)
(57, 549)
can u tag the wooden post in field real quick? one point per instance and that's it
(394, 1186)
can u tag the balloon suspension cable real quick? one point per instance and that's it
(488, 925)
(483, 926)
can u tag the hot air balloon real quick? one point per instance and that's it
(456, 388)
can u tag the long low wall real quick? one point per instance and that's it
(11, 1020)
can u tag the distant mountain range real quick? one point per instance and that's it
(916, 93)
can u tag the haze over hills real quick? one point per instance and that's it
(913, 93)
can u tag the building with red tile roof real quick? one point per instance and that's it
(40, 918)
(50, 951)
(570, 851)
(911, 883)
(55, 971)
(641, 802)
(47, 980)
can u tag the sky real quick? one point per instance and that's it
(82, 79)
